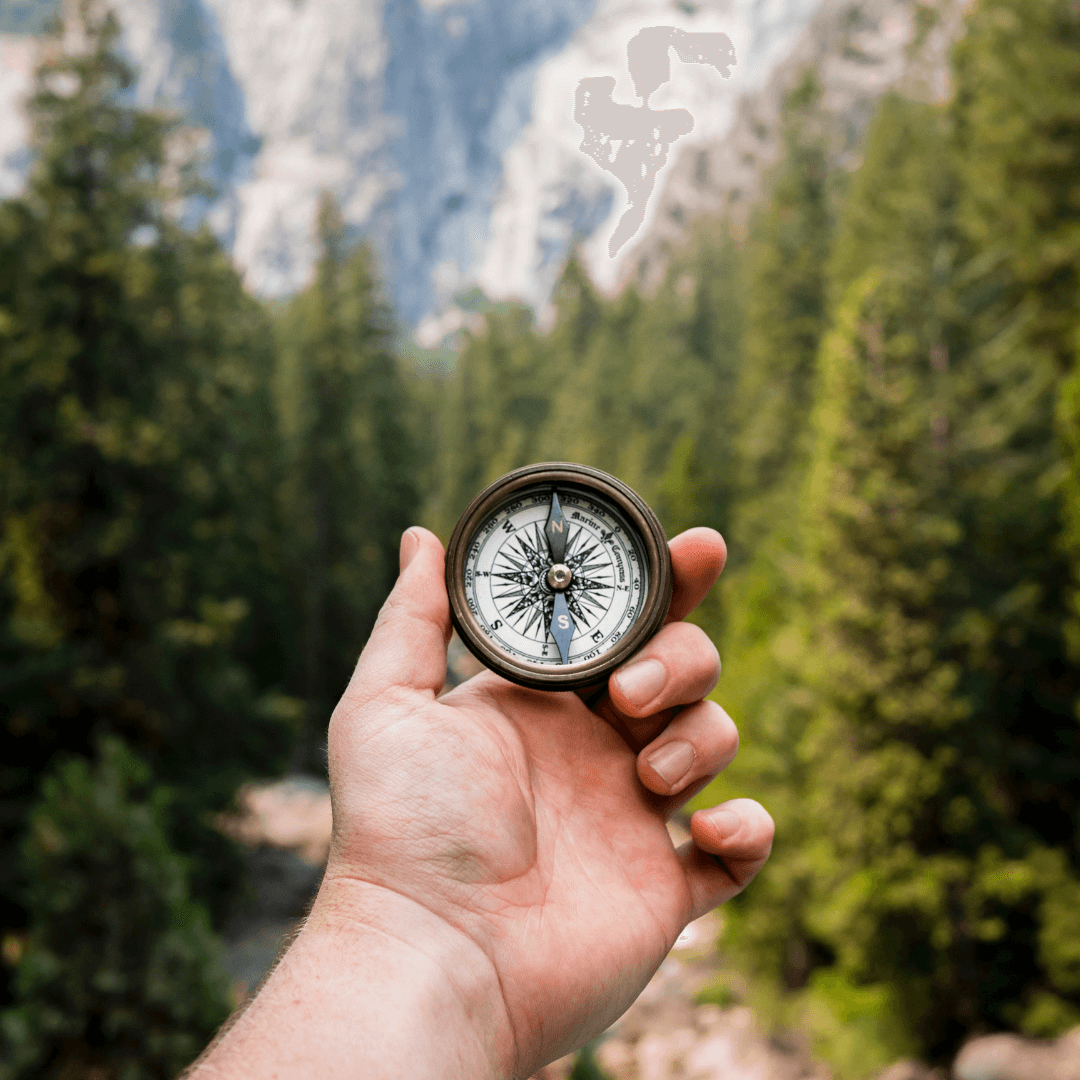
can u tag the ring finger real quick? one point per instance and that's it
(699, 743)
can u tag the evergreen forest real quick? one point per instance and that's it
(872, 390)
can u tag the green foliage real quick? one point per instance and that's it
(121, 975)
(188, 564)
(912, 686)
(498, 399)
(586, 1067)
(140, 581)
(785, 301)
(136, 562)
(858, 1029)
(349, 490)
(717, 993)
(785, 318)
(878, 734)
(1018, 135)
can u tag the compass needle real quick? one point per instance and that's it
(562, 626)
(555, 530)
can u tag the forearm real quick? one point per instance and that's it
(373, 987)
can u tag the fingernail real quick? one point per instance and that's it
(672, 761)
(641, 682)
(727, 822)
(410, 543)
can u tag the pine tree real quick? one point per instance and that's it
(786, 316)
(649, 395)
(1018, 145)
(494, 411)
(878, 744)
(122, 975)
(641, 386)
(784, 299)
(351, 488)
(594, 351)
(783, 295)
(703, 292)
(923, 878)
(139, 579)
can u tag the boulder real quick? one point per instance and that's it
(1011, 1057)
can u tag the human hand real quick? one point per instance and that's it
(506, 848)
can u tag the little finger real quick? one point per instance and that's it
(731, 843)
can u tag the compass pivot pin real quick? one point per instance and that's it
(559, 576)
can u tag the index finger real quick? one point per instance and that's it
(697, 557)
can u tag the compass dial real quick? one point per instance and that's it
(556, 573)
(507, 570)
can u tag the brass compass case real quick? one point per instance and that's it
(557, 573)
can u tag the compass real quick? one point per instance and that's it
(557, 573)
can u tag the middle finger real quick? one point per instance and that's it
(679, 666)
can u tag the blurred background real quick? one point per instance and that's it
(279, 278)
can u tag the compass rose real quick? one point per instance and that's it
(520, 583)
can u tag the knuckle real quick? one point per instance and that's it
(705, 653)
(723, 724)
(725, 741)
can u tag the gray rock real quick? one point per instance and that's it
(910, 1070)
(281, 887)
(1010, 1057)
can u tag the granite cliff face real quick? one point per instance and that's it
(446, 129)
(403, 108)
(553, 196)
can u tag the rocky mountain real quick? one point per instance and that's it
(552, 195)
(446, 129)
(403, 108)
(857, 52)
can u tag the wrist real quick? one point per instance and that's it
(374, 986)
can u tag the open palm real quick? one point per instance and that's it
(531, 824)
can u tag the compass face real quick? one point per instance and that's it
(514, 583)
(556, 574)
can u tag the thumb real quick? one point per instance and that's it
(407, 647)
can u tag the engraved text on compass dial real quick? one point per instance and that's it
(506, 568)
